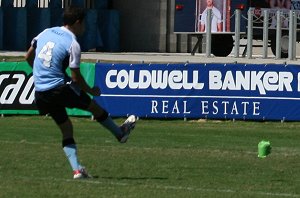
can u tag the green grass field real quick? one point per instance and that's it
(163, 158)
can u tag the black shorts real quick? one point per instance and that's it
(55, 101)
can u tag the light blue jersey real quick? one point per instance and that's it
(56, 48)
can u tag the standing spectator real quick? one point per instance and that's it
(216, 23)
(283, 5)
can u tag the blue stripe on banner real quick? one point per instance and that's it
(217, 91)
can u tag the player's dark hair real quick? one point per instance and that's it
(72, 14)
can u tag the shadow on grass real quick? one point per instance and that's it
(135, 178)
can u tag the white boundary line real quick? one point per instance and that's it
(164, 187)
(219, 97)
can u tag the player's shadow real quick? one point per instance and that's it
(135, 178)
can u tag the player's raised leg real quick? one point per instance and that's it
(120, 132)
(127, 127)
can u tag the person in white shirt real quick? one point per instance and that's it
(283, 5)
(216, 23)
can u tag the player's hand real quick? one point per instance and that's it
(95, 91)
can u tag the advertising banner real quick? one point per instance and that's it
(17, 88)
(213, 91)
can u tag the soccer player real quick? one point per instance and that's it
(51, 52)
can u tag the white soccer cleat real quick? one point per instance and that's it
(127, 127)
(81, 174)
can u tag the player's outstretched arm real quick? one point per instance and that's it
(79, 80)
(29, 57)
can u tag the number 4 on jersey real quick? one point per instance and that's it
(46, 53)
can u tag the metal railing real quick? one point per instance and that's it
(290, 18)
